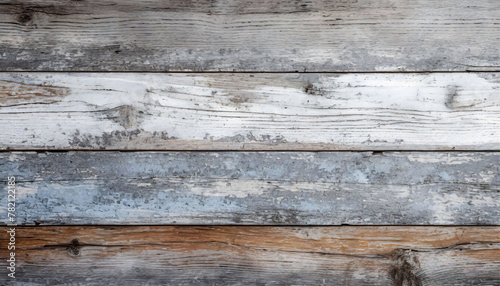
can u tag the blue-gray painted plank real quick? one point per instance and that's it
(283, 188)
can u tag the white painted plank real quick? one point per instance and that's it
(438, 111)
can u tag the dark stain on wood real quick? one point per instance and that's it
(25, 17)
(451, 95)
(403, 272)
(103, 140)
(127, 116)
(26, 11)
(126, 137)
(311, 89)
(239, 98)
(74, 248)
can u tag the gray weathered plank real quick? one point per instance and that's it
(270, 188)
(166, 255)
(438, 111)
(251, 35)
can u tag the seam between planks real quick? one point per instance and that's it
(374, 151)
(251, 72)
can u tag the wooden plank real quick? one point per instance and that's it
(438, 111)
(248, 188)
(256, 255)
(251, 35)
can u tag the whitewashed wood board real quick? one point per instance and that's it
(292, 111)
(251, 35)
(252, 188)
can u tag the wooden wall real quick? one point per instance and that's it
(254, 142)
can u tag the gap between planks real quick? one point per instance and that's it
(180, 72)
(375, 151)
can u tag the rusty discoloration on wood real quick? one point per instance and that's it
(14, 93)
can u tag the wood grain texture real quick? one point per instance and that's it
(251, 35)
(256, 255)
(242, 188)
(133, 111)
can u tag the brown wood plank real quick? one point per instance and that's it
(167, 255)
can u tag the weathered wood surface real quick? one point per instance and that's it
(269, 188)
(256, 256)
(252, 35)
(250, 111)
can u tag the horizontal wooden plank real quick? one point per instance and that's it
(251, 35)
(270, 188)
(255, 255)
(438, 111)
